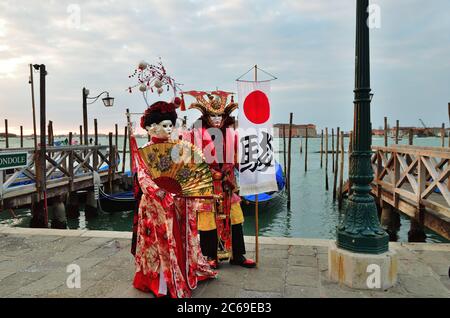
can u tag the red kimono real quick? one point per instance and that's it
(167, 253)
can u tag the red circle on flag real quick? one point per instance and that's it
(257, 107)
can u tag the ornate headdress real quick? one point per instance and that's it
(160, 111)
(212, 103)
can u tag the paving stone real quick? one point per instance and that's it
(106, 250)
(46, 284)
(16, 264)
(423, 286)
(64, 291)
(47, 266)
(302, 250)
(266, 280)
(415, 268)
(73, 253)
(233, 275)
(405, 254)
(13, 283)
(386, 294)
(434, 256)
(333, 290)
(97, 241)
(35, 266)
(96, 273)
(321, 250)
(302, 260)
(257, 294)
(440, 269)
(121, 274)
(100, 289)
(303, 276)
(445, 280)
(213, 290)
(301, 292)
(323, 262)
(278, 253)
(87, 263)
(273, 262)
(130, 292)
(6, 273)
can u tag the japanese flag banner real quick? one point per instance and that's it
(256, 145)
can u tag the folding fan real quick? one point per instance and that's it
(179, 168)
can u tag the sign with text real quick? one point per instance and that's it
(13, 160)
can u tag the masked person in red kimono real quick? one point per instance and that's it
(220, 225)
(167, 253)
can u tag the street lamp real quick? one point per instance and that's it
(360, 230)
(107, 101)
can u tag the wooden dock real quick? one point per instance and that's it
(67, 169)
(414, 180)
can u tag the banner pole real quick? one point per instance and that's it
(256, 205)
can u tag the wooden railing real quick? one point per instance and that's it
(67, 163)
(416, 177)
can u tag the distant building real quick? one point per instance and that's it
(417, 131)
(297, 130)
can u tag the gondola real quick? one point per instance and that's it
(117, 202)
(266, 198)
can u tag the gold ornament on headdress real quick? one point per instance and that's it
(212, 103)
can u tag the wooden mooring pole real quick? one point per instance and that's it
(21, 136)
(116, 141)
(385, 131)
(321, 150)
(301, 145)
(95, 132)
(39, 208)
(124, 153)
(326, 160)
(111, 163)
(332, 150)
(81, 134)
(449, 135)
(291, 115)
(443, 135)
(341, 169)
(50, 133)
(306, 150)
(6, 134)
(284, 150)
(350, 151)
(397, 131)
(336, 172)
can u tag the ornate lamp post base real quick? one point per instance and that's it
(360, 232)
(362, 271)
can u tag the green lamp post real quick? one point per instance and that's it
(360, 230)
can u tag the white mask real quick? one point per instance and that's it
(216, 120)
(163, 130)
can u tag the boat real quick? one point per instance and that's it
(266, 197)
(117, 202)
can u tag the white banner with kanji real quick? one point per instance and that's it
(256, 144)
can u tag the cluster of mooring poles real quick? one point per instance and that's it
(49, 156)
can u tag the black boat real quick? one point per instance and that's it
(117, 202)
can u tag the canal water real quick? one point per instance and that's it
(313, 213)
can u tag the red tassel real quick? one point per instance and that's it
(183, 104)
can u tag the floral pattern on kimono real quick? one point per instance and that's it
(160, 246)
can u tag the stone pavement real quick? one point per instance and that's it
(33, 263)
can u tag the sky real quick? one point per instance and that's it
(206, 44)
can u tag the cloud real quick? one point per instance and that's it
(308, 45)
